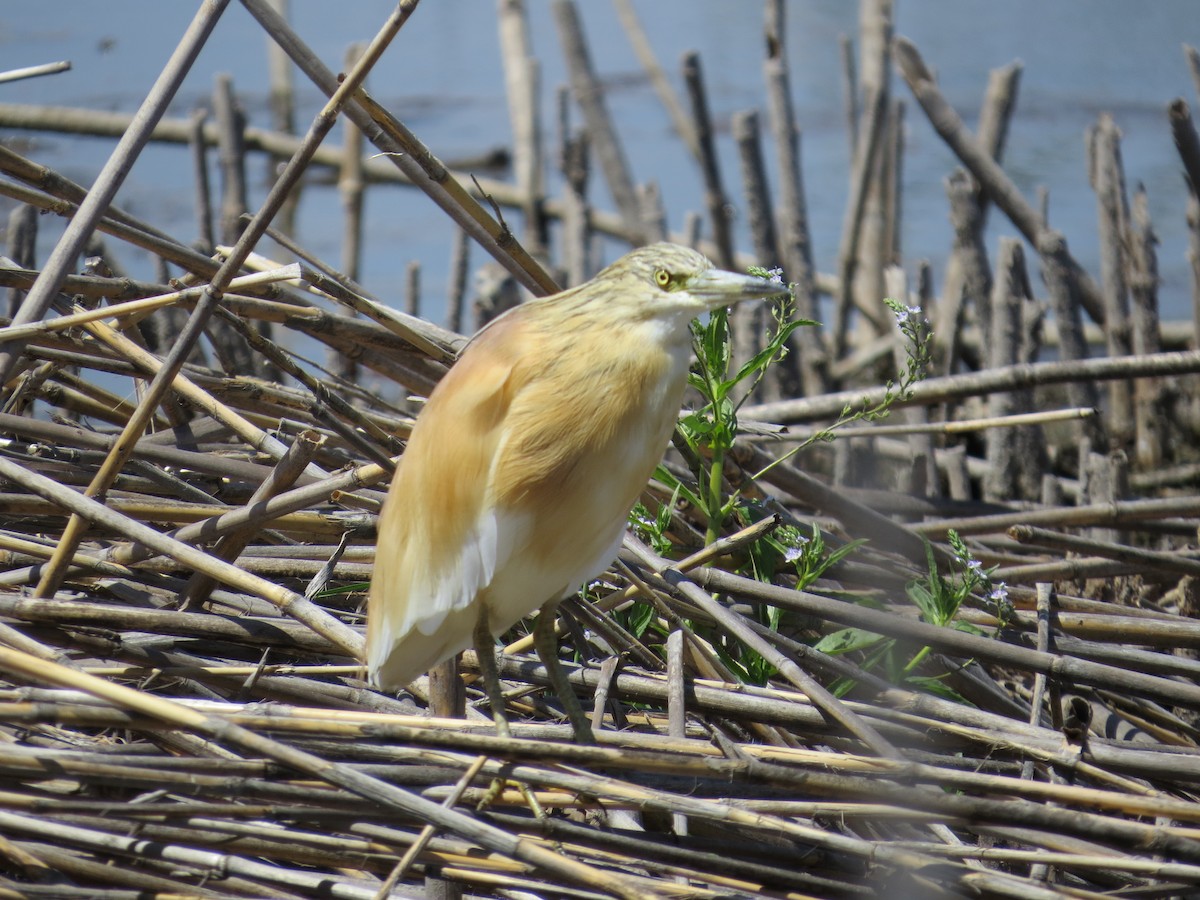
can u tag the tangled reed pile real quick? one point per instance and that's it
(189, 505)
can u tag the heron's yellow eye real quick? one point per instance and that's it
(662, 278)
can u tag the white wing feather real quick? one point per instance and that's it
(442, 622)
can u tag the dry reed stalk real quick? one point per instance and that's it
(589, 96)
(522, 80)
(282, 103)
(456, 284)
(21, 241)
(967, 270)
(406, 152)
(170, 367)
(574, 155)
(1026, 375)
(1108, 181)
(352, 188)
(983, 168)
(710, 168)
(38, 300)
(749, 329)
(856, 206)
(1151, 405)
(808, 350)
(870, 251)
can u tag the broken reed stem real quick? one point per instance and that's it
(808, 352)
(1025, 375)
(288, 469)
(982, 167)
(1187, 142)
(170, 367)
(589, 96)
(352, 189)
(109, 181)
(404, 150)
(522, 78)
(363, 785)
(848, 248)
(644, 50)
(137, 308)
(1108, 181)
(714, 191)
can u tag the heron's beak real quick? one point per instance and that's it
(716, 288)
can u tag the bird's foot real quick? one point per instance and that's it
(497, 788)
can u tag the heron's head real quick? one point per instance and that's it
(667, 279)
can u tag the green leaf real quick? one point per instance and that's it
(847, 640)
(935, 686)
(734, 665)
(641, 614)
(679, 488)
(919, 594)
(763, 357)
(342, 589)
(759, 670)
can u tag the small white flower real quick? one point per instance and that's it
(776, 275)
(975, 566)
(999, 593)
(796, 549)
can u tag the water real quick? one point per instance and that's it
(443, 78)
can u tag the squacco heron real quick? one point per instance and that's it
(521, 470)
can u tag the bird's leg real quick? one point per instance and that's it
(485, 652)
(546, 644)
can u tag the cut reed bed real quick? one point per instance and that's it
(188, 503)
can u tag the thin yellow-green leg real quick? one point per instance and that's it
(485, 652)
(546, 644)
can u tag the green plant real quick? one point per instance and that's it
(707, 435)
(938, 599)
(709, 432)
(918, 353)
(807, 555)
